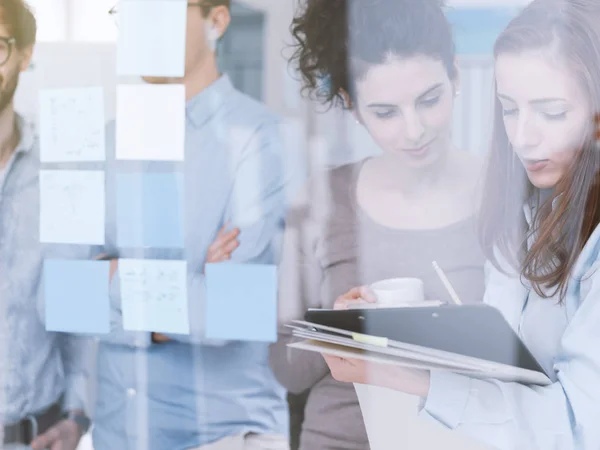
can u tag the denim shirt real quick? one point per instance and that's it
(38, 367)
(192, 391)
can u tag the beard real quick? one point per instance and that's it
(7, 94)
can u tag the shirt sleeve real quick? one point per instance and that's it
(76, 352)
(300, 279)
(515, 416)
(262, 179)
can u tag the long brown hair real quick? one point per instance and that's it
(565, 220)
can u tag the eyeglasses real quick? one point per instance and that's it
(205, 9)
(6, 48)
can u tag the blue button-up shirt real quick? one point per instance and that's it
(191, 392)
(36, 366)
(564, 338)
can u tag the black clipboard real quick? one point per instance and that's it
(476, 331)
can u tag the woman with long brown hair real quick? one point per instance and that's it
(539, 228)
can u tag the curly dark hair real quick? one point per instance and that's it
(336, 41)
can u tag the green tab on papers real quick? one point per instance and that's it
(372, 340)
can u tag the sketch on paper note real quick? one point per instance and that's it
(72, 125)
(72, 207)
(154, 295)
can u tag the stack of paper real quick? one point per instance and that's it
(343, 343)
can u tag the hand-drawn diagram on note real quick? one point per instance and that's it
(154, 295)
(72, 207)
(72, 125)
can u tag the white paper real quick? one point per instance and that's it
(151, 39)
(72, 125)
(150, 122)
(154, 295)
(509, 374)
(392, 417)
(72, 207)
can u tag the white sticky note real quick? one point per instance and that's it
(72, 207)
(150, 122)
(154, 295)
(72, 125)
(151, 40)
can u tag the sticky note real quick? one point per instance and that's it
(371, 340)
(150, 122)
(241, 302)
(151, 38)
(154, 295)
(76, 296)
(149, 210)
(72, 207)
(72, 125)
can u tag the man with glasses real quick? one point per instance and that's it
(43, 375)
(181, 392)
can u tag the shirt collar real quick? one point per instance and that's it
(27, 135)
(532, 205)
(205, 104)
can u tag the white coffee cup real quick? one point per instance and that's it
(399, 291)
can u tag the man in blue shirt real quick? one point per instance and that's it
(43, 375)
(181, 392)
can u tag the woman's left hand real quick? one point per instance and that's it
(352, 370)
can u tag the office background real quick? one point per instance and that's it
(77, 47)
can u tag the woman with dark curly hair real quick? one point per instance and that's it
(392, 64)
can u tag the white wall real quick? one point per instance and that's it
(68, 64)
(52, 19)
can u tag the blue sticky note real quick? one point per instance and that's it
(76, 296)
(241, 302)
(150, 210)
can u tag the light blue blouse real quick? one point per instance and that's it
(565, 339)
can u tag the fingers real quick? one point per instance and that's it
(223, 246)
(341, 368)
(223, 230)
(226, 237)
(347, 299)
(223, 233)
(224, 252)
(160, 338)
(367, 294)
(354, 297)
(332, 360)
(352, 294)
(47, 439)
(113, 266)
